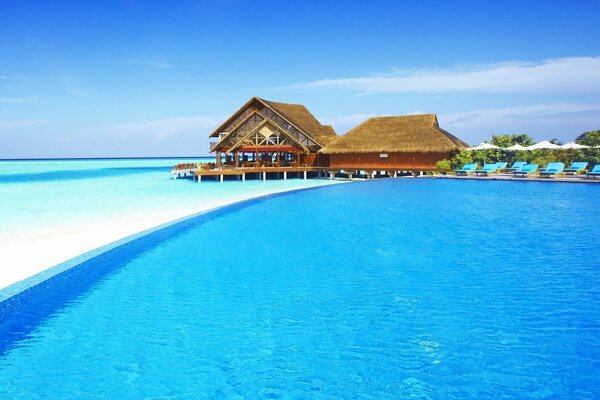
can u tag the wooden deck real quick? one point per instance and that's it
(327, 172)
(260, 172)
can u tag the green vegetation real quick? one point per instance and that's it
(443, 165)
(541, 157)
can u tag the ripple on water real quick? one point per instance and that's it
(382, 290)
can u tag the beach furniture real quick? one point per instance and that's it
(527, 170)
(466, 169)
(501, 167)
(553, 169)
(576, 168)
(487, 168)
(594, 172)
(517, 165)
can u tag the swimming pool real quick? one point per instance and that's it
(384, 289)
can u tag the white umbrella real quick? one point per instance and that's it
(543, 145)
(483, 146)
(516, 147)
(573, 146)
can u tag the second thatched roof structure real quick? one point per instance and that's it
(398, 134)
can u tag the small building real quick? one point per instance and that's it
(402, 143)
(265, 133)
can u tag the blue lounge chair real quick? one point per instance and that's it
(517, 165)
(553, 169)
(487, 168)
(594, 172)
(527, 170)
(466, 169)
(576, 168)
(501, 167)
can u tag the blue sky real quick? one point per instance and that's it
(139, 78)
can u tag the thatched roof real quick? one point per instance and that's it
(399, 134)
(300, 117)
(296, 114)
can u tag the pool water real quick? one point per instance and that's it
(425, 289)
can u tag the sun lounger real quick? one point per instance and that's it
(466, 170)
(594, 172)
(576, 168)
(553, 169)
(527, 170)
(517, 165)
(501, 167)
(487, 168)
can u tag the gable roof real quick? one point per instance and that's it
(397, 134)
(299, 116)
(296, 114)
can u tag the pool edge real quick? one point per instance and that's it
(14, 290)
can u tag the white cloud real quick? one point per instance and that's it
(151, 62)
(543, 121)
(163, 128)
(16, 99)
(23, 123)
(573, 75)
(345, 122)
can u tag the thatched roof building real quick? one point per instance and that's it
(409, 142)
(267, 130)
(397, 134)
(287, 117)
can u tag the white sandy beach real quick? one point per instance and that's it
(28, 253)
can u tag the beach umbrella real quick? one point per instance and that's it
(483, 146)
(516, 147)
(544, 145)
(573, 146)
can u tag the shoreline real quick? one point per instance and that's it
(33, 253)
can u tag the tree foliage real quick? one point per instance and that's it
(591, 138)
(541, 157)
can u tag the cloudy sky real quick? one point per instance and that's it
(139, 78)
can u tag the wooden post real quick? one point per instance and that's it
(221, 178)
(244, 177)
(304, 175)
(285, 175)
(264, 176)
(199, 178)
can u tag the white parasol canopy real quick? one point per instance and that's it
(516, 147)
(483, 146)
(544, 145)
(573, 146)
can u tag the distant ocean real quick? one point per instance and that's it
(43, 194)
